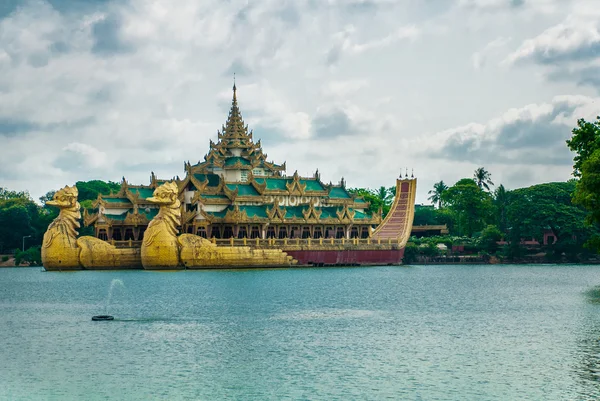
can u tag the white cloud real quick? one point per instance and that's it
(124, 88)
(480, 57)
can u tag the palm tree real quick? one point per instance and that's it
(483, 178)
(436, 193)
(385, 195)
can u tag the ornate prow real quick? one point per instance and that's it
(398, 222)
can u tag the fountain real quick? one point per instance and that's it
(113, 284)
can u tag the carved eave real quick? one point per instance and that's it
(221, 186)
(238, 166)
(200, 185)
(99, 202)
(311, 213)
(89, 218)
(229, 193)
(207, 216)
(186, 217)
(260, 188)
(135, 218)
(276, 213)
(346, 215)
(236, 215)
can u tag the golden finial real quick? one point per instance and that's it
(234, 89)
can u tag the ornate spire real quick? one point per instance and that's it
(235, 127)
(234, 91)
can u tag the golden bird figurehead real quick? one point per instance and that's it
(166, 194)
(65, 197)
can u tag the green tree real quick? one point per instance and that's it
(541, 207)
(501, 202)
(483, 178)
(585, 140)
(32, 256)
(437, 193)
(89, 190)
(488, 241)
(471, 204)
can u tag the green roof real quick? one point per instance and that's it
(213, 179)
(233, 160)
(117, 200)
(360, 200)
(213, 196)
(274, 183)
(312, 185)
(327, 212)
(243, 189)
(294, 211)
(339, 193)
(258, 211)
(144, 193)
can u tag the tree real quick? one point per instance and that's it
(437, 193)
(379, 199)
(483, 178)
(585, 140)
(488, 241)
(501, 202)
(548, 206)
(470, 203)
(89, 190)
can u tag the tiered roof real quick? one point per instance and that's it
(255, 198)
(235, 149)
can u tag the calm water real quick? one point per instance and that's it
(420, 333)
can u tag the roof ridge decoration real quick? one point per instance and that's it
(236, 215)
(311, 212)
(276, 213)
(345, 214)
(295, 185)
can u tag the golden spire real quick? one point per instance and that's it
(235, 127)
(234, 90)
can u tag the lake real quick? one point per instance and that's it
(394, 332)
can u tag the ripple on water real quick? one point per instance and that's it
(459, 332)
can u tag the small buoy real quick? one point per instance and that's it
(102, 317)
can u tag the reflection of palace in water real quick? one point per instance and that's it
(236, 193)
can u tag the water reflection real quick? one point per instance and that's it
(588, 346)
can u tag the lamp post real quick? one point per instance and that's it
(26, 236)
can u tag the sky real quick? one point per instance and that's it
(360, 89)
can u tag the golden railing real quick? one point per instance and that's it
(292, 243)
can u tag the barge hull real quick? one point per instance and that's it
(349, 257)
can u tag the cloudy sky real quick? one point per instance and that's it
(100, 89)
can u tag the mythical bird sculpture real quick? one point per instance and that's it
(62, 250)
(59, 248)
(160, 249)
